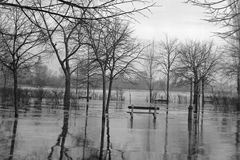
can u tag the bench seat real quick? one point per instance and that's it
(142, 112)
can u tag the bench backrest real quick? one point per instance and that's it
(141, 107)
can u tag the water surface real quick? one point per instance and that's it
(81, 134)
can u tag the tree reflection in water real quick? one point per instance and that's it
(166, 135)
(85, 132)
(195, 137)
(109, 146)
(190, 139)
(13, 139)
(62, 138)
(102, 138)
(103, 155)
(238, 137)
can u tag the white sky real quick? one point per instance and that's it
(176, 19)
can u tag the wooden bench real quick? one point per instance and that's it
(164, 101)
(150, 110)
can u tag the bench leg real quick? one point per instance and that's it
(155, 111)
(132, 111)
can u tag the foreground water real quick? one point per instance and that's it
(80, 134)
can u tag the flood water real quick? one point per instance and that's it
(81, 134)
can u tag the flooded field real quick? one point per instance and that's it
(81, 134)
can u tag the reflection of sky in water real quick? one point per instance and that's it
(40, 133)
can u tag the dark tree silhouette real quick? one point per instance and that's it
(96, 9)
(196, 62)
(226, 13)
(115, 51)
(19, 39)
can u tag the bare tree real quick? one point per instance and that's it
(19, 38)
(168, 54)
(61, 22)
(63, 37)
(115, 51)
(150, 69)
(223, 12)
(87, 72)
(226, 13)
(197, 62)
(97, 9)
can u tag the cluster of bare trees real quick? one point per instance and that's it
(226, 13)
(18, 39)
(68, 29)
(181, 63)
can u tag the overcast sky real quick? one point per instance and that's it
(174, 18)
(177, 19)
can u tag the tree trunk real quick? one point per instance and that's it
(103, 116)
(238, 81)
(109, 95)
(88, 77)
(150, 91)
(104, 96)
(15, 92)
(150, 95)
(88, 86)
(195, 97)
(5, 80)
(67, 96)
(4, 88)
(203, 99)
(77, 83)
(168, 87)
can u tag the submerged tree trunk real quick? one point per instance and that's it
(15, 88)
